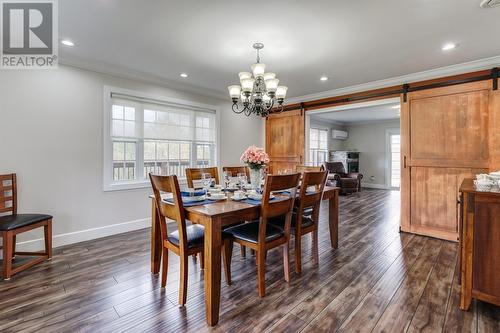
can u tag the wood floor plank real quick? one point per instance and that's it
(400, 310)
(431, 311)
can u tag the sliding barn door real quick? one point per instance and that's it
(285, 140)
(445, 138)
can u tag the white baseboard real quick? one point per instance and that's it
(85, 235)
(378, 186)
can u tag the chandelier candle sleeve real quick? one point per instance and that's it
(259, 91)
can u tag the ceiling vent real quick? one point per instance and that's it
(489, 3)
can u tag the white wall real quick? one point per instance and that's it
(51, 136)
(370, 140)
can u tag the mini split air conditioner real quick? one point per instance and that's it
(340, 135)
(489, 3)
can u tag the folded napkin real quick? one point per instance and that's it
(196, 193)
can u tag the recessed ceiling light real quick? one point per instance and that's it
(323, 78)
(184, 75)
(396, 107)
(449, 46)
(67, 42)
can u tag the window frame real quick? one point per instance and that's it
(316, 151)
(107, 166)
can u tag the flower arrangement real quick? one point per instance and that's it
(255, 157)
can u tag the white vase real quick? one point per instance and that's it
(255, 178)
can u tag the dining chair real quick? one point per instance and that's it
(305, 216)
(193, 174)
(262, 236)
(302, 168)
(13, 224)
(186, 241)
(235, 170)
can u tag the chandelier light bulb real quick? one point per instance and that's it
(247, 85)
(266, 98)
(281, 92)
(245, 75)
(272, 85)
(258, 69)
(269, 76)
(234, 91)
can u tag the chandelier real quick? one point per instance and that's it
(259, 91)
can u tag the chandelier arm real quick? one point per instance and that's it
(236, 108)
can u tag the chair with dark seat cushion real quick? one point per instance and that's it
(184, 242)
(13, 224)
(194, 236)
(348, 182)
(261, 236)
(306, 214)
(250, 232)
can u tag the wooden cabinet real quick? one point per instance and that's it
(445, 138)
(479, 245)
(285, 140)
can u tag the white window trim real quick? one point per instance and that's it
(107, 169)
(388, 166)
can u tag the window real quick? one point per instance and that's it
(395, 143)
(393, 153)
(318, 146)
(145, 136)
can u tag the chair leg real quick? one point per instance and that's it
(202, 259)
(298, 253)
(164, 268)
(183, 280)
(286, 261)
(13, 247)
(228, 253)
(243, 251)
(7, 237)
(261, 272)
(315, 255)
(47, 230)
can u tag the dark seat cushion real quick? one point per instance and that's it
(250, 232)
(279, 221)
(194, 234)
(11, 222)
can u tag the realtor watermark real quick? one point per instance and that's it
(28, 34)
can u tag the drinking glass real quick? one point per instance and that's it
(206, 179)
(242, 180)
(227, 179)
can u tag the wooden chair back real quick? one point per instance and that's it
(8, 194)
(303, 168)
(309, 197)
(234, 171)
(195, 174)
(271, 209)
(166, 210)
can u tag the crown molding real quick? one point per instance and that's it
(461, 68)
(127, 73)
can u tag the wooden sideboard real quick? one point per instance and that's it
(479, 245)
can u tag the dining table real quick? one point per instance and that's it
(213, 217)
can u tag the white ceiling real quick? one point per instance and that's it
(366, 114)
(352, 42)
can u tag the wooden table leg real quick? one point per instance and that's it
(212, 270)
(333, 219)
(156, 245)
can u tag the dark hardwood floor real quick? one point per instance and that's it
(377, 281)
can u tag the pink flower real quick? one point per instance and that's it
(255, 155)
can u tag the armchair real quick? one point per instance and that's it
(348, 182)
